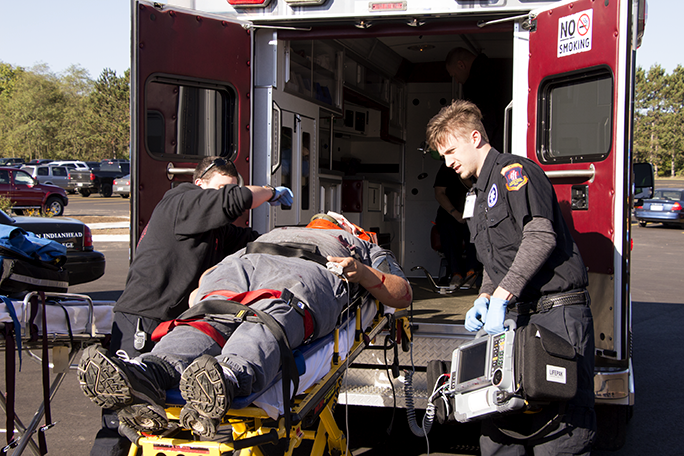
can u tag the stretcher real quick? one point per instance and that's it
(73, 322)
(260, 419)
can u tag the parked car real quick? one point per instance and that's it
(84, 264)
(665, 207)
(73, 164)
(15, 162)
(100, 180)
(39, 161)
(122, 186)
(27, 193)
(48, 174)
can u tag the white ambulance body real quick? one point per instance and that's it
(331, 98)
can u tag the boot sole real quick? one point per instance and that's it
(144, 417)
(204, 389)
(191, 419)
(102, 381)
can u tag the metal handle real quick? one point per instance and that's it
(586, 174)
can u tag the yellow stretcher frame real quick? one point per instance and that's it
(249, 428)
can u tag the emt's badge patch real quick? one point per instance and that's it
(515, 179)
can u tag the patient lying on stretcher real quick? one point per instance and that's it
(213, 359)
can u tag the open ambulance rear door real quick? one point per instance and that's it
(580, 78)
(190, 97)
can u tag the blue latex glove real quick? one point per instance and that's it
(496, 315)
(283, 195)
(477, 315)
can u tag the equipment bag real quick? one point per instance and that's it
(30, 263)
(545, 365)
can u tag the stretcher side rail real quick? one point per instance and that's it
(252, 426)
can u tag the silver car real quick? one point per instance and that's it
(122, 186)
(45, 174)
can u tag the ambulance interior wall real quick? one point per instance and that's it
(424, 101)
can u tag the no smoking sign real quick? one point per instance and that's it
(574, 33)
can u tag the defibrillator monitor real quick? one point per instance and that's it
(482, 377)
(471, 365)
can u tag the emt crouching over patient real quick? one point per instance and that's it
(213, 359)
(189, 231)
(532, 270)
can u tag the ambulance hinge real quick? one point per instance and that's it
(530, 24)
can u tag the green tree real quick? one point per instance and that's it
(76, 141)
(109, 120)
(673, 122)
(32, 115)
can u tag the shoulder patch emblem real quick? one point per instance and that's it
(515, 179)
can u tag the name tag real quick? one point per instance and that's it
(469, 208)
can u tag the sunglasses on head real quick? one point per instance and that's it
(216, 162)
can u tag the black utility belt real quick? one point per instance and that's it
(547, 302)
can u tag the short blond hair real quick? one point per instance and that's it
(458, 119)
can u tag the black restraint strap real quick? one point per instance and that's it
(288, 249)
(42, 441)
(217, 307)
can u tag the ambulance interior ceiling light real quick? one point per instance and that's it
(421, 47)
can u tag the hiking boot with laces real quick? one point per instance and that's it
(207, 394)
(116, 382)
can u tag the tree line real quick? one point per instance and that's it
(72, 117)
(659, 119)
(63, 117)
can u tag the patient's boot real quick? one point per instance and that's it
(207, 394)
(114, 383)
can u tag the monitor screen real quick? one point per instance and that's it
(473, 362)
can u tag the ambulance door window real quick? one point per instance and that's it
(189, 119)
(287, 174)
(286, 159)
(576, 117)
(306, 170)
(308, 159)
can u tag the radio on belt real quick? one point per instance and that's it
(482, 379)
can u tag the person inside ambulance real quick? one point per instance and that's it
(190, 230)
(533, 272)
(487, 83)
(301, 277)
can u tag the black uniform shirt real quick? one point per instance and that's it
(189, 231)
(511, 190)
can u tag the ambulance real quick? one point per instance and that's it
(331, 99)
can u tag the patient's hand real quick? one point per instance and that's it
(351, 268)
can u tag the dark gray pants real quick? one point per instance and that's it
(576, 431)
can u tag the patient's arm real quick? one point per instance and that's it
(389, 289)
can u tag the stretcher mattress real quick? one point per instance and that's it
(78, 312)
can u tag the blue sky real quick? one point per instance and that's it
(95, 34)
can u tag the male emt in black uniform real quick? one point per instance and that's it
(190, 230)
(532, 267)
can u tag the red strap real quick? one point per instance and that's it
(247, 297)
(165, 327)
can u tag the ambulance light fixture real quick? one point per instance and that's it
(249, 3)
(304, 2)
